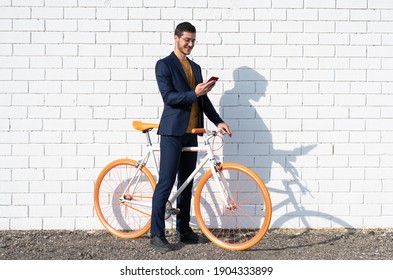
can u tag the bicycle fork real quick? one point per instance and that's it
(223, 186)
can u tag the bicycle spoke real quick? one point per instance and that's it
(140, 211)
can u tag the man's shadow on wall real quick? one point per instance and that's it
(253, 145)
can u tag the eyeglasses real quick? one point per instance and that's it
(188, 40)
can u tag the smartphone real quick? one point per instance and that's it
(212, 78)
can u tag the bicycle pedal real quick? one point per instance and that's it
(171, 211)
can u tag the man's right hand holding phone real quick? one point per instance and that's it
(204, 88)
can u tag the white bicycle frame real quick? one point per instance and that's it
(214, 165)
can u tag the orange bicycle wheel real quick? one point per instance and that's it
(128, 215)
(238, 217)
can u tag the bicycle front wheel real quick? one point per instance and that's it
(123, 197)
(238, 216)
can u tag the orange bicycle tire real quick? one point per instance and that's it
(243, 201)
(123, 221)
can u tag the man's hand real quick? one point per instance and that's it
(204, 88)
(226, 128)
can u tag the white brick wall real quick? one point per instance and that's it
(306, 85)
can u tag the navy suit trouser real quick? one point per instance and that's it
(172, 162)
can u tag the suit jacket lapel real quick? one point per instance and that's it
(198, 77)
(179, 67)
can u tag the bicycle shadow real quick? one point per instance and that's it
(252, 144)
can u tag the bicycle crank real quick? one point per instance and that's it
(169, 210)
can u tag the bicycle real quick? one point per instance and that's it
(231, 203)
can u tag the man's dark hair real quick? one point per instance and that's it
(184, 27)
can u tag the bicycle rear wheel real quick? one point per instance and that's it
(125, 216)
(238, 218)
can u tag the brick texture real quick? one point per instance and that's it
(306, 86)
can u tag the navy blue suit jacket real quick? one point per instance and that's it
(178, 97)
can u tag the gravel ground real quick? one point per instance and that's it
(277, 244)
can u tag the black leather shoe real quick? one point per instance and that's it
(191, 237)
(160, 244)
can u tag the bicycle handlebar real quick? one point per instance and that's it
(208, 132)
(198, 130)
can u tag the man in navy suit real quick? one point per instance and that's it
(185, 102)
